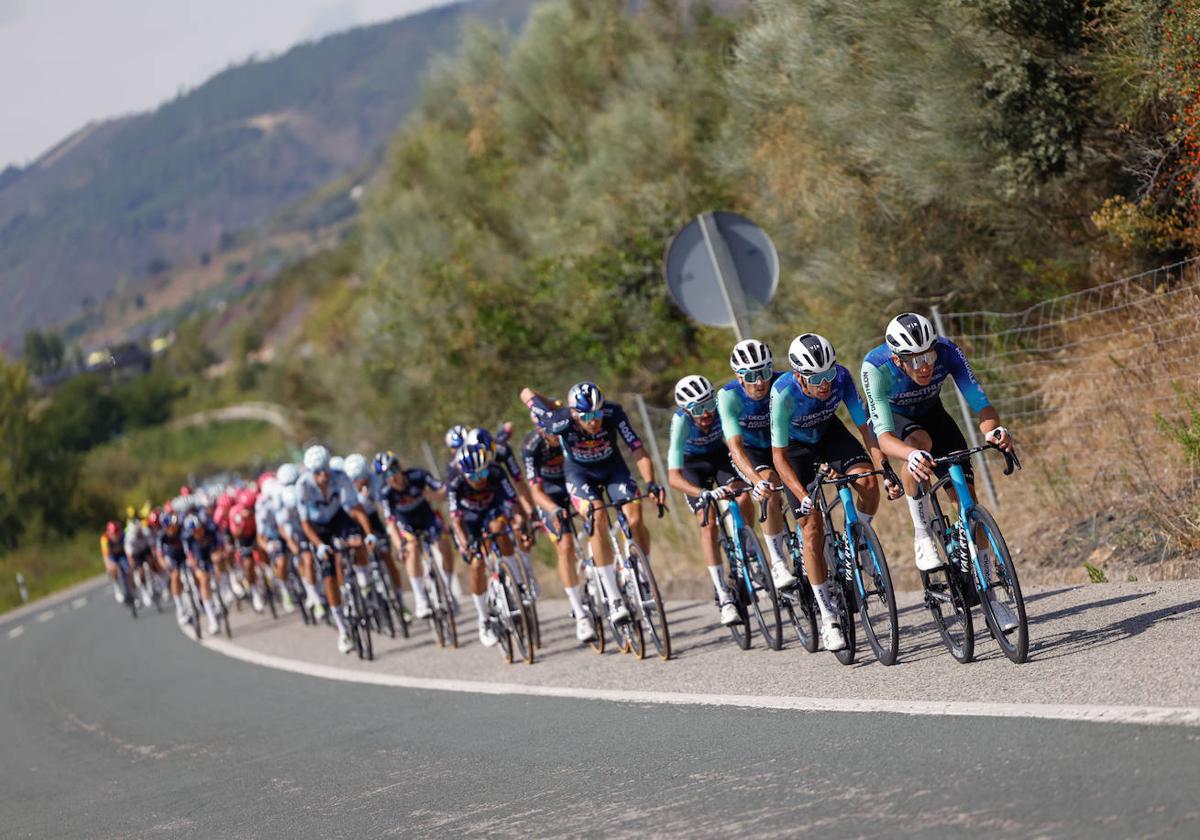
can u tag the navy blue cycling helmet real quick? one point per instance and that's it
(473, 458)
(585, 396)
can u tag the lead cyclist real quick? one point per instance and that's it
(902, 380)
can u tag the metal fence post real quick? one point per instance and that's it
(968, 423)
(433, 464)
(660, 470)
(24, 593)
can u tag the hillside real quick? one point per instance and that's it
(127, 198)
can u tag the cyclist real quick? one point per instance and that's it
(481, 497)
(112, 550)
(173, 555)
(291, 528)
(902, 379)
(139, 548)
(502, 455)
(404, 497)
(744, 404)
(542, 455)
(200, 544)
(698, 466)
(456, 436)
(804, 432)
(243, 532)
(589, 429)
(369, 486)
(270, 542)
(329, 510)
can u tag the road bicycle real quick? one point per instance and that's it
(976, 566)
(508, 616)
(639, 589)
(749, 573)
(384, 601)
(441, 602)
(354, 602)
(125, 584)
(591, 590)
(248, 556)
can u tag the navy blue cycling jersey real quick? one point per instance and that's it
(543, 461)
(464, 499)
(169, 546)
(204, 544)
(580, 447)
(399, 501)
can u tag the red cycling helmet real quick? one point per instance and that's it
(112, 530)
(247, 498)
(263, 478)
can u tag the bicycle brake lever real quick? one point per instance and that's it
(762, 511)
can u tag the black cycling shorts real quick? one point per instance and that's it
(714, 469)
(943, 432)
(760, 458)
(342, 526)
(837, 447)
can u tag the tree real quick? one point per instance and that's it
(42, 352)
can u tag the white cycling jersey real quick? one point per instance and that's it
(318, 507)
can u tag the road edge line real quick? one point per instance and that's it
(1147, 715)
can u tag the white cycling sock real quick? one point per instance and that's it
(178, 602)
(211, 611)
(420, 596)
(717, 573)
(310, 589)
(824, 602)
(480, 606)
(777, 547)
(575, 596)
(340, 620)
(608, 576)
(921, 512)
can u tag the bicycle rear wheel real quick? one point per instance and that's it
(650, 609)
(529, 599)
(762, 594)
(877, 604)
(843, 602)
(951, 613)
(595, 607)
(127, 589)
(737, 589)
(517, 617)
(1002, 583)
(633, 639)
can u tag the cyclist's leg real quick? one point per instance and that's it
(773, 529)
(702, 472)
(920, 510)
(946, 437)
(812, 528)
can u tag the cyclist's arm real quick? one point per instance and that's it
(675, 457)
(876, 384)
(541, 498)
(729, 407)
(360, 516)
(311, 533)
(787, 472)
(858, 416)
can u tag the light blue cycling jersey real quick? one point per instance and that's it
(888, 388)
(319, 508)
(687, 439)
(743, 416)
(799, 418)
(369, 497)
(265, 508)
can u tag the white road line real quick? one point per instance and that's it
(78, 602)
(43, 617)
(1160, 715)
(16, 631)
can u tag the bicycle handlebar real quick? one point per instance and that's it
(710, 502)
(1011, 461)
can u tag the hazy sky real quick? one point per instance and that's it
(65, 62)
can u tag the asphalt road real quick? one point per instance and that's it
(116, 728)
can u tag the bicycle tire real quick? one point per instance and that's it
(364, 622)
(651, 612)
(594, 608)
(442, 618)
(525, 580)
(396, 603)
(844, 600)
(799, 602)
(943, 591)
(1005, 570)
(880, 599)
(740, 630)
(770, 625)
(189, 586)
(630, 630)
(505, 642)
(127, 588)
(517, 616)
(270, 587)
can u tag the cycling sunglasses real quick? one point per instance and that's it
(820, 378)
(920, 360)
(477, 475)
(752, 376)
(700, 409)
(590, 416)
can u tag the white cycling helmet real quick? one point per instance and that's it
(811, 353)
(693, 389)
(287, 474)
(585, 396)
(316, 458)
(288, 497)
(749, 355)
(456, 436)
(337, 463)
(356, 466)
(271, 489)
(910, 333)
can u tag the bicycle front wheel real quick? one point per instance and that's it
(651, 611)
(1002, 585)
(946, 602)
(877, 602)
(595, 607)
(842, 592)
(761, 589)
(518, 617)
(741, 629)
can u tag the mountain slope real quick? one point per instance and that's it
(132, 196)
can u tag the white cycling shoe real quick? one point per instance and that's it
(1004, 616)
(927, 556)
(214, 626)
(781, 575)
(729, 614)
(583, 629)
(236, 587)
(345, 643)
(147, 597)
(256, 600)
(424, 610)
(289, 606)
(182, 617)
(831, 636)
(118, 594)
(487, 636)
